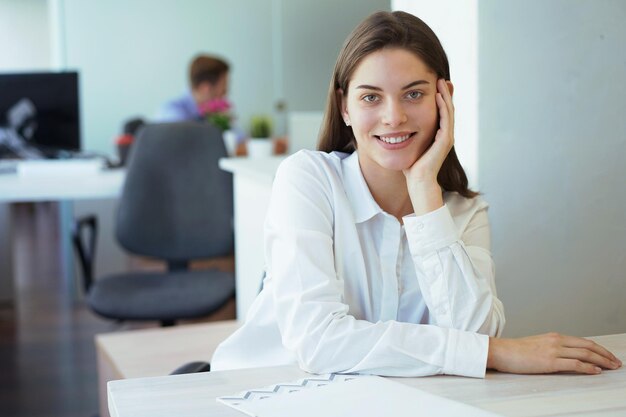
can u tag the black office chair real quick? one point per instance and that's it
(176, 205)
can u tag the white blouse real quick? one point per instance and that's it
(351, 289)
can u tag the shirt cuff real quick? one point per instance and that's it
(430, 231)
(466, 354)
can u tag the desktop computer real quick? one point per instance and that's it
(39, 115)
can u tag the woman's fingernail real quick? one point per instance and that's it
(598, 370)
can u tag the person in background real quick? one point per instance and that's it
(378, 255)
(208, 80)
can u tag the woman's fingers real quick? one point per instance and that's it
(574, 365)
(445, 134)
(443, 112)
(585, 351)
(577, 342)
(590, 357)
(444, 91)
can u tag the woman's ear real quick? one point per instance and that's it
(341, 99)
(450, 87)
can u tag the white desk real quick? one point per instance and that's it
(60, 188)
(252, 182)
(155, 351)
(104, 184)
(506, 394)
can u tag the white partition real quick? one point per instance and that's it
(252, 180)
(552, 146)
(24, 32)
(303, 129)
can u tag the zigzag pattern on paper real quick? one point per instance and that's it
(285, 388)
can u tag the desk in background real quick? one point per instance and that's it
(252, 181)
(64, 189)
(505, 394)
(252, 186)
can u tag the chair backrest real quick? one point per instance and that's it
(177, 204)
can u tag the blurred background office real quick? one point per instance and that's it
(539, 98)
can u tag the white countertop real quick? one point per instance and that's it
(505, 394)
(262, 169)
(103, 184)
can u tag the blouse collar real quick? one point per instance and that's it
(363, 204)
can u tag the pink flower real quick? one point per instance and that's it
(218, 105)
(217, 112)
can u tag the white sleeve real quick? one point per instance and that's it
(457, 271)
(308, 295)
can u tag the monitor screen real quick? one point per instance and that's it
(39, 114)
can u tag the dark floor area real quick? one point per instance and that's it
(47, 353)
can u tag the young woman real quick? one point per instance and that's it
(378, 255)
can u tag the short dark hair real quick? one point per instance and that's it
(206, 68)
(378, 31)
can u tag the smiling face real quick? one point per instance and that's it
(390, 105)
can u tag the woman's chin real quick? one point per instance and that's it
(397, 164)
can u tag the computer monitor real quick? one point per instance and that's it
(42, 109)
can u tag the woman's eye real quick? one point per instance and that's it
(414, 95)
(370, 98)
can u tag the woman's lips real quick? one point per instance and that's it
(395, 140)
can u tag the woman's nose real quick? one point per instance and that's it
(394, 114)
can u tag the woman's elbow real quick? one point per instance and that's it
(317, 364)
(321, 357)
(493, 325)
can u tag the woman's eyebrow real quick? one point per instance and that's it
(414, 83)
(369, 87)
(409, 85)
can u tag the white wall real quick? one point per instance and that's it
(24, 46)
(312, 35)
(132, 56)
(24, 32)
(456, 24)
(551, 161)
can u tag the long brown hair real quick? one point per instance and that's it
(382, 30)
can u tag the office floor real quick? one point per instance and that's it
(47, 354)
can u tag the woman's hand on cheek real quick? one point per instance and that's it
(421, 177)
(549, 353)
(428, 165)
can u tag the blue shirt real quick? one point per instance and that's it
(180, 109)
(184, 108)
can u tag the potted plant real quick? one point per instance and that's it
(260, 143)
(218, 113)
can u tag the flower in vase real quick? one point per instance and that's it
(217, 112)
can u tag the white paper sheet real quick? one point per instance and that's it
(363, 396)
